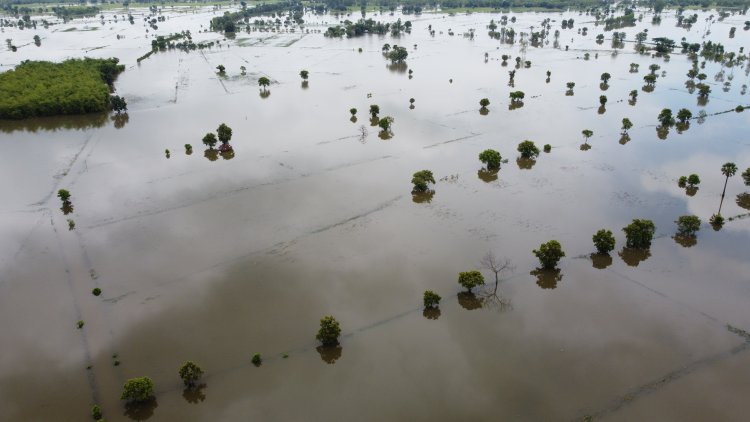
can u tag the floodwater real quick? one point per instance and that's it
(214, 260)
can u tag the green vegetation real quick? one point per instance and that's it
(190, 373)
(137, 390)
(431, 299)
(79, 324)
(693, 180)
(604, 241)
(96, 412)
(746, 176)
(257, 359)
(304, 74)
(40, 88)
(687, 225)
(639, 233)
(64, 195)
(329, 331)
(71, 12)
(490, 158)
(484, 102)
(626, 125)
(528, 149)
(549, 254)
(470, 279)
(421, 179)
(96, 292)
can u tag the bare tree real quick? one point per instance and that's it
(497, 264)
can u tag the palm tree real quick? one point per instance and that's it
(264, 82)
(728, 170)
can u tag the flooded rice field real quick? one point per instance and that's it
(216, 257)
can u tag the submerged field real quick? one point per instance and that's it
(214, 260)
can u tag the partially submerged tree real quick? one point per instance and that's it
(639, 233)
(64, 195)
(421, 180)
(496, 264)
(549, 254)
(304, 74)
(210, 140)
(470, 279)
(687, 225)
(491, 159)
(263, 82)
(374, 110)
(604, 241)
(626, 125)
(431, 299)
(683, 115)
(587, 133)
(190, 373)
(118, 104)
(484, 102)
(329, 331)
(746, 176)
(665, 117)
(138, 390)
(528, 149)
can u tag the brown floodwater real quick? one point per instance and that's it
(213, 257)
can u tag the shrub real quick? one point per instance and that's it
(421, 179)
(470, 279)
(604, 241)
(96, 292)
(639, 233)
(490, 158)
(687, 225)
(549, 253)
(329, 331)
(256, 360)
(96, 412)
(528, 149)
(138, 390)
(431, 299)
(190, 372)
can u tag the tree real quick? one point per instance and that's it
(604, 241)
(431, 299)
(626, 125)
(225, 133)
(639, 233)
(490, 158)
(570, 85)
(96, 412)
(746, 176)
(329, 331)
(264, 82)
(221, 69)
(517, 96)
(650, 79)
(470, 279)
(602, 100)
(653, 68)
(118, 104)
(385, 123)
(374, 110)
(397, 54)
(684, 115)
(703, 90)
(209, 140)
(353, 111)
(421, 179)
(528, 149)
(137, 390)
(693, 180)
(386, 48)
(64, 195)
(495, 264)
(484, 102)
(634, 94)
(304, 74)
(665, 117)
(549, 254)
(587, 134)
(687, 225)
(605, 77)
(728, 170)
(190, 373)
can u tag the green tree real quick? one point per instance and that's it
(604, 241)
(96, 412)
(633, 94)
(687, 225)
(190, 373)
(490, 158)
(224, 132)
(665, 117)
(221, 69)
(421, 180)
(587, 133)
(549, 254)
(431, 299)
(385, 123)
(386, 48)
(374, 110)
(639, 233)
(353, 111)
(528, 149)
(703, 90)
(64, 195)
(602, 100)
(138, 390)
(728, 170)
(210, 140)
(626, 125)
(304, 74)
(693, 180)
(517, 96)
(746, 176)
(264, 82)
(605, 77)
(118, 104)
(329, 331)
(397, 54)
(650, 79)
(484, 102)
(683, 115)
(470, 279)
(570, 85)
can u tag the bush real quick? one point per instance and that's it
(40, 88)
(682, 181)
(490, 158)
(256, 360)
(421, 179)
(138, 390)
(190, 373)
(64, 195)
(329, 331)
(604, 241)
(431, 299)
(687, 225)
(528, 149)
(639, 233)
(470, 279)
(484, 102)
(96, 292)
(96, 412)
(549, 253)
(547, 147)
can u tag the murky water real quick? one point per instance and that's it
(215, 260)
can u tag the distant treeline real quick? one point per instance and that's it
(228, 21)
(40, 88)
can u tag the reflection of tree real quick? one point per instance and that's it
(743, 200)
(330, 354)
(662, 132)
(227, 155)
(398, 67)
(431, 313)
(385, 135)
(648, 88)
(374, 121)
(484, 111)
(691, 190)
(422, 197)
(353, 119)
(265, 93)
(547, 278)
(141, 411)
(305, 84)
(515, 105)
(601, 261)
(585, 147)
(52, 124)
(67, 207)
(211, 154)
(601, 110)
(634, 256)
(525, 163)
(685, 241)
(120, 119)
(469, 301)
(194, 395)
(624, 139)
(487, 176)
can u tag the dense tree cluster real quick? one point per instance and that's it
(40, 88)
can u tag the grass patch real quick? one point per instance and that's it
(40, 88)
